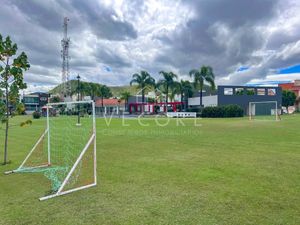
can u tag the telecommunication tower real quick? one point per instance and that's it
(65, 43)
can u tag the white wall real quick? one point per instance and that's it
(206, 101)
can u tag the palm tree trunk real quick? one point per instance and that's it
(143, 99)
(186, 101)
(181, 99)
(200, 97)
(167, 96)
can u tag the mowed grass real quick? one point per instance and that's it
(225, 171)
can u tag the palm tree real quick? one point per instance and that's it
(125, 96)
(104, 92)
(143, 80)
(185, 90)
(93, 90)
(204, 74)
(167, 82)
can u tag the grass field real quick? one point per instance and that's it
(226, 171)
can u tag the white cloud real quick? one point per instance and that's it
(276, 78)
(128, 36)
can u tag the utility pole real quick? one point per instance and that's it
(78, 99)
(65, 43)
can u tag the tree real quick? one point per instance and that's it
(20, 109)
(11, 80)
(185, 90)
(104, 92)
(54, 99)
(203, 75)
(91, 89)
(143, 81)
(288, 99)
(167, 83)
(2, 107)
(125, 96)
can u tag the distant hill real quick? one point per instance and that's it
(58, 88)
(116, 90)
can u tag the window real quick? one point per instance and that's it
(239, 91)
(31, 107)
(43, 99)
(271, 91)
(228, 91)
(261, 91)
(250, 91)
(31, 100)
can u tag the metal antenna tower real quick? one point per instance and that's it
(65, 42)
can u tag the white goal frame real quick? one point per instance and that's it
(250, 109)
(92, 140)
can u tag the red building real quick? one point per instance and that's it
(295, 87)
(153, 107)
(109, 106)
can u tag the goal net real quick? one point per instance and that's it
(66, 152)
(263, 110)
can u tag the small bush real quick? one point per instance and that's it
(222, 111)
(36, 115)
(213, 112)
(233, 111)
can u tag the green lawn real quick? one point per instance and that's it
(226, 171)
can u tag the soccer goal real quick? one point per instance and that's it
(267, 110)
(66, 151)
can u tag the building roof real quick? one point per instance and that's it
(292, 87)
(108, 102)
(39, 93)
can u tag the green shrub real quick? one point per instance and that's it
(233, 111)
(222, 111)
(36, 115)
(213, 112)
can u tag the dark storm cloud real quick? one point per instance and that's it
(37, 28)
(222, 34)
(111, 58)
(235, 13)
(47, 14)
(104, 22)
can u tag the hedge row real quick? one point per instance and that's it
(222, 111)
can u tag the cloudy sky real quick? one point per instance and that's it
(244, 41)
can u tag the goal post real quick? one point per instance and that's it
(66, 151)
(265, 110)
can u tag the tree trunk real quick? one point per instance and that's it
(186, 102)
(143, 96)
(181, 99)
(143, 99)
(200, 97)
(167, 96)
(6, 126)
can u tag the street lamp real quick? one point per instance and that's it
(78, 93)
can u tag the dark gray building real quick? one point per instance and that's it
(35, 101)
(243, 95)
